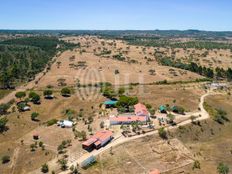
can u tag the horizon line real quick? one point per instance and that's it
(116, 30)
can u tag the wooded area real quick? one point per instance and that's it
(21, 59)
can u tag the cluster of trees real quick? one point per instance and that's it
(165, 42)
(126, 103)
(217, 115)
(218, 73)
(22, 58)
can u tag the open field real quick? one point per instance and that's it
(98, 61)
(210, 142)
(182, 95)
(21, 128)
(142, 156)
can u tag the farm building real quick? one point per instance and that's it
(163, 109)
(141, 110)
(141, 115)
(98, 140)
(117, 120)
(110, 103)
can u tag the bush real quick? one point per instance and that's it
(196, 165)
(3, 122)
(223, 168)
(34, 115)
(34, 97)
(163, 133)
(48, 92)
(126, 102)
(4, 108)
(44, 168)
(66, 92)
(178, 109)
(51, 122)
(20, 94)
(63, 164)
(5, 159)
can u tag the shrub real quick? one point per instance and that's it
(66, 92)
(51, 122)
(126, 102)
(63, 164)
(20, 94)
(196, 165)
(4, 108)
(5, 159)
(48, 92)
(163, 133)
(223, 168)
(3, 122)
(34, 115)
(34, 97)
(44, 168)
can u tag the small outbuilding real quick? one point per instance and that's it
(110, 103)
(163, 109)
(65, 124)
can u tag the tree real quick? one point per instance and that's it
(44, 168)
(35, 98)
(74, 170)
(126, 102)
(163, 133)
(3, 122)
(83, 135)
(66, 92)
(178, 109)
(63, 164)
(5, 159)
(102, 124)
(34, 115)
(48, 92)
(20, 94)
(223, 168)
(196, 165)
(121, 91)
(4, 108)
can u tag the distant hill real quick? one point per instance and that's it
(120, 33)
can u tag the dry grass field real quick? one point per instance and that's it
(141, 156)
(186, 96)
(210, 142)
(21, 127)
(209, 58)
(92, 64)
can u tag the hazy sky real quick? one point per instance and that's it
(116, 14)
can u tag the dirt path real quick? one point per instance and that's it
(14, 159)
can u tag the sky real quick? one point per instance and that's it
(213, 15)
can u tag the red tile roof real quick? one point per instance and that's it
(128, 118)
(99, 136)
(155, 171)
(141, 109)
